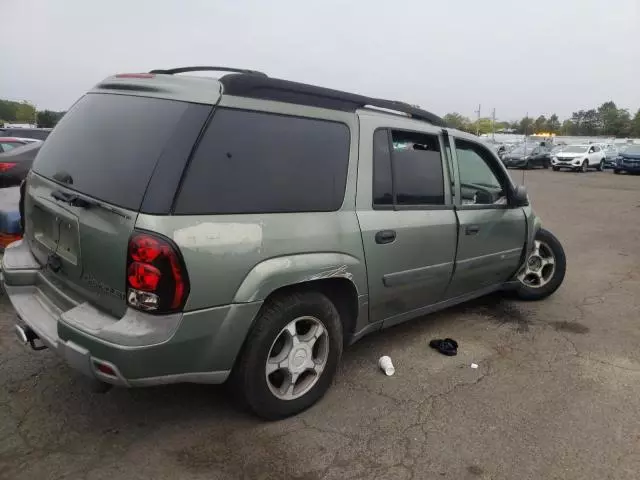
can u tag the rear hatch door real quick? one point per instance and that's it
(88, 184)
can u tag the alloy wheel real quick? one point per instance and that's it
(297, 358)
(540, 266)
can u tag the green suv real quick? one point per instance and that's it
(188, 229)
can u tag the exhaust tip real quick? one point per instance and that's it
(28, 337)
(21, 334)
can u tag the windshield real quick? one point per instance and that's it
(635, 150)
(107, 146)
(575, 149)
(521, 150)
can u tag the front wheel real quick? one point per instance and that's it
(544, 269)
(601, 166)
(290, 356)
(584, 168)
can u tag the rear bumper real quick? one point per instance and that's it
(139, 349)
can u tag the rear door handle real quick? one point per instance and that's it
(385, 236)
(472, 230)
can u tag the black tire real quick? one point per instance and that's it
(616, 171)
(546, 164)
(584, 168)
(525, 292)
(601, 166)
(555, 169)
(249, 380)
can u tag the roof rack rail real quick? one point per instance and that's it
(172, 71)
(267, 88)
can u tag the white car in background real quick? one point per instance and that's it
(579, 158)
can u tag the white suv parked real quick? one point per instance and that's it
(580, 158)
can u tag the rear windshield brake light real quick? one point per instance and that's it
(135, 75)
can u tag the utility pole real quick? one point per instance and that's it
(493, 125)
(478, 121)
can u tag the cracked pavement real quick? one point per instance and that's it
(556, 394)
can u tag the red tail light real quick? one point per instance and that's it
(4, 166)
(157, 279)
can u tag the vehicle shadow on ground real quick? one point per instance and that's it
(47, 387)
(188, 401)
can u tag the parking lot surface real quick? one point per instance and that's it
(556, 394)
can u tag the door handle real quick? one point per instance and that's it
(472, 230)
(385, 236)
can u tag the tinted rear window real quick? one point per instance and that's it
(254, 162)
(107, 146)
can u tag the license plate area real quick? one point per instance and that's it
(69, 241)
(44, 225)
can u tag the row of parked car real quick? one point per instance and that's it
(581, 157)
(18, 149)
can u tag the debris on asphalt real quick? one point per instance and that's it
(386, 366)
(448, 346)
(474, 365)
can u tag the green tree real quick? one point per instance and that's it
(591, 122)
(553, 124)
(455, 120)
(8, 110)
(634, 131)
(540, 125)
(577, 119)
(568, 128)
(526, 126)
(25, 113)
(48, 118)
(608, 116)
(483, 125)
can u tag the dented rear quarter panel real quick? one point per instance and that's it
(238, 259)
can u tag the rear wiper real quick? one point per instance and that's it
(76, 201)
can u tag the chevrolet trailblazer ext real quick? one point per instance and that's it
(189, 229)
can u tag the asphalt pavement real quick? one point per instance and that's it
(556, 394)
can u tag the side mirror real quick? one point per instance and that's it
(519, 196)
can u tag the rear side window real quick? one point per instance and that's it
(410, 167)
(255, 162)
(107, 146)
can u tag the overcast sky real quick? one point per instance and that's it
(516, 56)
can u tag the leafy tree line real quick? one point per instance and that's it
(607, 120)
(24, 112)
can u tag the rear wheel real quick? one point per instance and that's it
(555, 169)
(544, 269)
(546, 164)
(601, 166)
(616, 171)
(291, 355)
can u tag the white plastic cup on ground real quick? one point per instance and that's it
(386, 366)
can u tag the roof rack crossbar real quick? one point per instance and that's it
(172, 71)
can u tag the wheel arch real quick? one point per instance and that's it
(341, 277)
